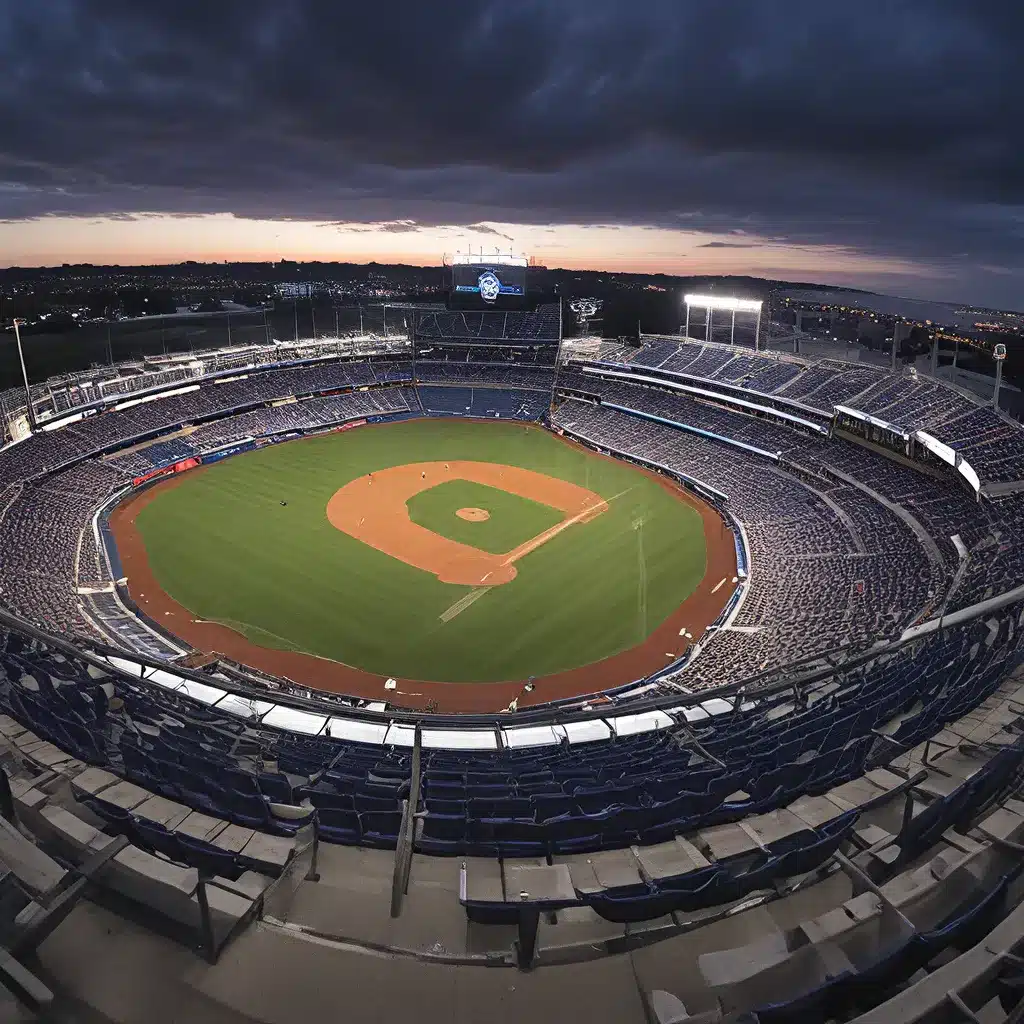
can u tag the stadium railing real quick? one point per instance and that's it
(729, 697)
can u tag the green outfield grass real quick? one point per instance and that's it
(514, 519)
(221, 543)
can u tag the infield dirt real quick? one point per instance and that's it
(373, 509)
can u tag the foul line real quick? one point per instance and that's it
(463, 603)
(543, 538)
(524, 549)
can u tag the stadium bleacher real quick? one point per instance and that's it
(817, 817)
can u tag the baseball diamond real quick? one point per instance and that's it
(349, 558)
(373, 509)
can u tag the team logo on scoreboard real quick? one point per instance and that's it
(489, 285)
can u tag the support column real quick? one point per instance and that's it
(999, 383)
(732, 333)
(707, 324)
(687, 320)
(757, 333)
(935, 356)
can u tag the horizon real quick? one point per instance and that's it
(796, 264)
(794, 282)
(566, 266)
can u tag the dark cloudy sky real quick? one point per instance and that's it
(870, 142)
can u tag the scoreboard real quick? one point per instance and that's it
(489, 284)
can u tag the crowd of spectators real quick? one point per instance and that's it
(40, 535)
(992, 531)
(830, 567)
(513, 325)
(988, 441)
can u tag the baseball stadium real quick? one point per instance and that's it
(683, 670)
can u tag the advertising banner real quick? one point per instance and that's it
(226, 453)
(176, 467)
(348, 426)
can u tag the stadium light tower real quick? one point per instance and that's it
(712, 302)
(999, 355)
(24, 375)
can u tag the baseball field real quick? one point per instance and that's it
(432, 550)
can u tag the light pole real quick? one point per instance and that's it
(24, 376)
(999, 356)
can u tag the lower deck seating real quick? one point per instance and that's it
(485, 403)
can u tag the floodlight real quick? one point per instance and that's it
(724, 302)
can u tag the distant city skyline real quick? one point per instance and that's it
(142, 239)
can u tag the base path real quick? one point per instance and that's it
(373, 509)
(694, 615)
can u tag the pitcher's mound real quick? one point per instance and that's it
(474, 515)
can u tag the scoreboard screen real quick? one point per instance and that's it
(489, 284)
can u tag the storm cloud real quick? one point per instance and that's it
(884, 126)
